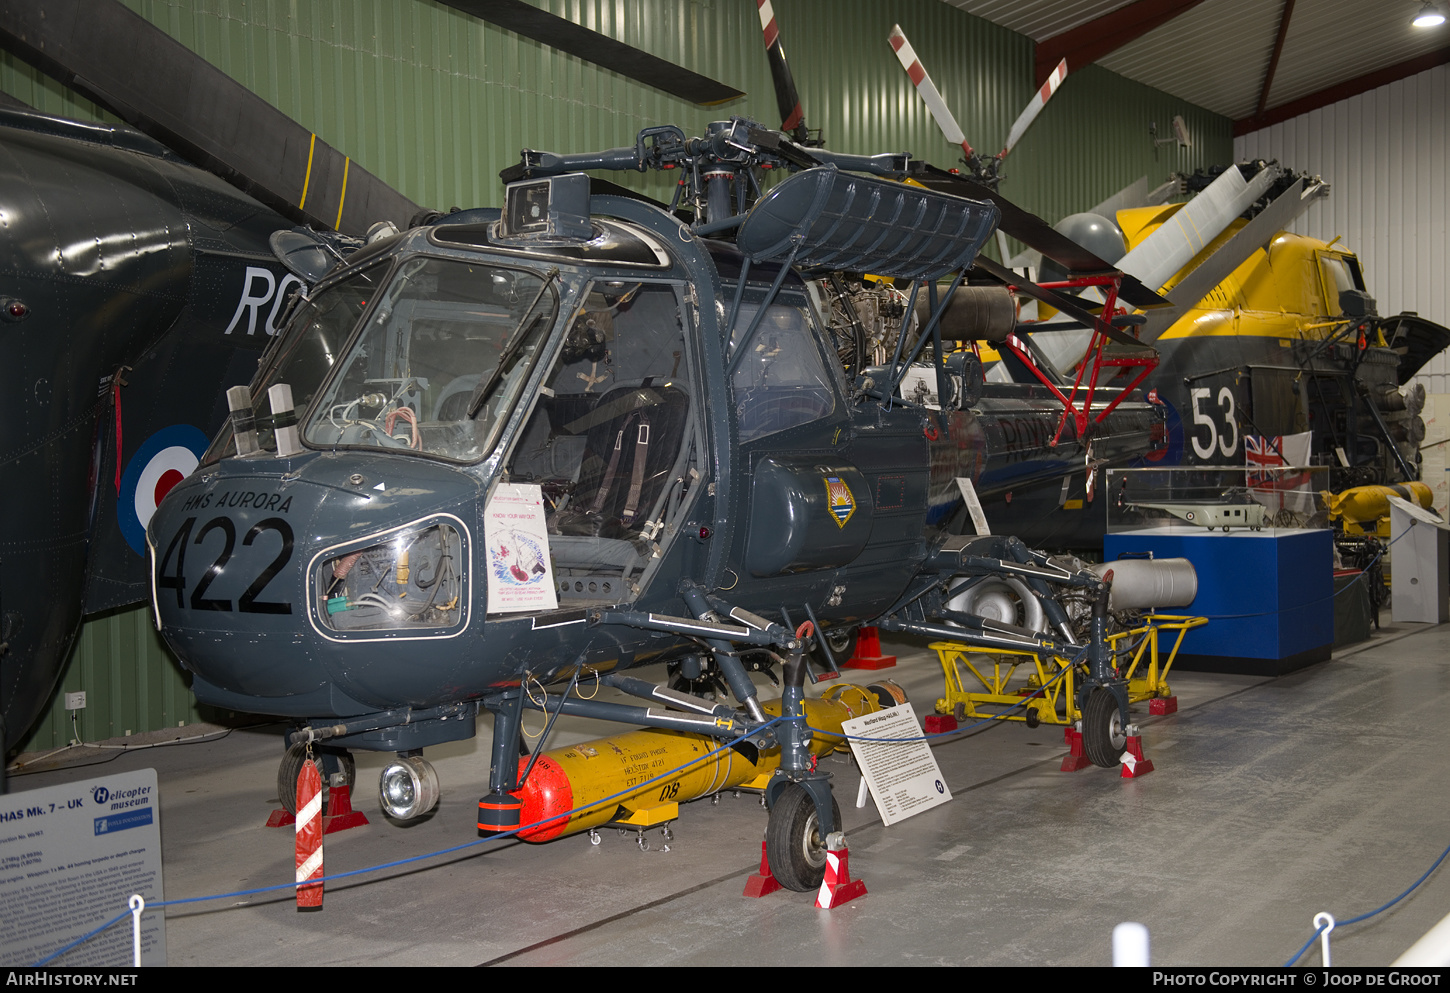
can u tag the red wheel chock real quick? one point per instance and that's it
(1076, 759)
(939, 723)
(868, 652)
(762, 883)
(1159, 706)
(340, 817)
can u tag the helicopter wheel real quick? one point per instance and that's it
(291, 766)
(794, 845)
(1103, 737)
(842, 642)
(710, 686)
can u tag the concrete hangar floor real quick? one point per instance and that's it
(1272, 800)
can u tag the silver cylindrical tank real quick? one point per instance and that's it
(1141, 584)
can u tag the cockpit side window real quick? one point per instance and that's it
(310, 344)
(1339, 273)
(610, 437)
(781, 379)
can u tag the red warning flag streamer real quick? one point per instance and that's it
(309, 837)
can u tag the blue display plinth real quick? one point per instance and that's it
(1269, 595)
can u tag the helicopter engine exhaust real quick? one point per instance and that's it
(1146, 584)
(987, 313)
(576, 776)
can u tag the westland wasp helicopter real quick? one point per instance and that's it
(511, 449)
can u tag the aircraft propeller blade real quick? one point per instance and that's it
(906, 55)
(792, 117)
(1034, 106)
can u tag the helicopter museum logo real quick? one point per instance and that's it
(839, 500)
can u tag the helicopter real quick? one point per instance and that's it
(88, 525)
(139, 287)
(513, 448)
(1270, 335)
(1267, 335)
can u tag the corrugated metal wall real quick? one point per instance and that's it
(436, 102)
(1384, 153)
(131, 682)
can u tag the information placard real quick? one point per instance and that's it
(902, 773)
(519, 576)
(70, 859)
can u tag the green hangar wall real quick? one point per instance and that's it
(435, 102)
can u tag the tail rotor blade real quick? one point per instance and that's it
(792, 117)
(934, 102)
(1035, 105)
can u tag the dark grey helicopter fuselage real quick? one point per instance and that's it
(756, 474)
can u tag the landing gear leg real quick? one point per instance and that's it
(501, 810)
(803, 813)
(1104, 696)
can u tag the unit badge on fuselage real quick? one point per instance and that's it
(839, 500)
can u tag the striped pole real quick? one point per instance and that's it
(309, 837)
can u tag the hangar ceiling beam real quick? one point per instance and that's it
(1274, 59)
(1342, 91)
(1086, 43)
(123, 62)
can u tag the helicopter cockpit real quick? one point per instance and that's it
(440, 361)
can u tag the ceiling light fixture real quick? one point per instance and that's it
(1429, 17)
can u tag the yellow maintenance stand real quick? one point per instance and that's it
(1047, 693)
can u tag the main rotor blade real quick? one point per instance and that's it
(116, 57)
(1284, 210)
(1036, 233)
(1034, 106)
(792, 117)
(906, 55)
(1179, 239)
(602, 50)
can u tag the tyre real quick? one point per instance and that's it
(1103, 736)
(794, 845)
(291, 765)
(842, 642)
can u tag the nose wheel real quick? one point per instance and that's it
(408, 787)
(795, 847)
(335, 767)
(1103, 736)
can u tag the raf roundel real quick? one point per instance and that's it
(166, 458)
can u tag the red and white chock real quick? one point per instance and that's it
(309, 837)
(838, 887)
(1134, 764)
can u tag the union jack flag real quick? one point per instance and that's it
(1276, 473)
(1264, 452)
